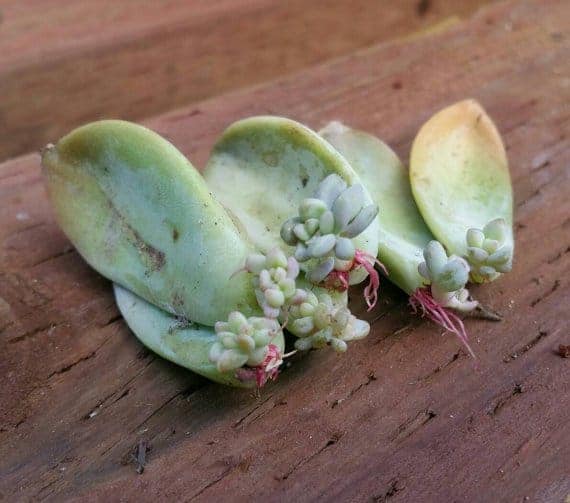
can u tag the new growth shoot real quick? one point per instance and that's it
(322, 235)
(446, 278)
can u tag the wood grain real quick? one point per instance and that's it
(66, 62)
(403, 416)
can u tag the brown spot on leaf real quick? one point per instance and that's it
(153, 258)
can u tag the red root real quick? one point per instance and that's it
(338, 280)
(434, 311)
(268, 369)
(371, 291)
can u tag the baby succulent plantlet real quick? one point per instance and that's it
(247, 342)
(317, 316)
(319, 321)
(460, 180)
(274, 165)
(190, 344)
(446, 277)
(417, 264)
(274, 277)
(489, 251)
(403, 232)
(323, 231)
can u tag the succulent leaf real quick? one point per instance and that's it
(165, 240)
(279, 168)
(461, 183)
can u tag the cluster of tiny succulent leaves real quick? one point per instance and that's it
(487, 252)
(447, 277)
(273, 279)
(318, 322)
(325, 226)
(322, 231)
(242, 341)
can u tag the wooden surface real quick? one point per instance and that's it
(66, 62)
(403, 416)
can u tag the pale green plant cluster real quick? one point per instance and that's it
(447, 277)
(242, 341)
(186, 247)
(488, 251)
(274, 277)
(325, 226)
(318, 322)
(335, 214)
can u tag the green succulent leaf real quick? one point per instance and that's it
(275, 166)
(185, 343)
(141, 215)
(460, 180)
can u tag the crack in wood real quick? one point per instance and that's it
(558, 256)
(49, 327)
(240, 421)
(213, 483)
(408, 428)
(538, 190)
(387, 312)
(187, 392)
(538, 300)
(68, 367)
(62, 253)
(439, 368)
(94, 410)
(527, 347)
(21, 230)
(394, 487)
(44, 488)
(369, 378)
(504, 400)
(335, 437)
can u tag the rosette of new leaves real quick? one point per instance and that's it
(242, 341)
(488, 251)
(325, 226)
(318, 322)
(447, 277)
(274, 281)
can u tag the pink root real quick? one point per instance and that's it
(371, 291)
(337, 280)
(432, 310)
(268, 369)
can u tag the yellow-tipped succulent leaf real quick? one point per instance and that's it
(461, 183)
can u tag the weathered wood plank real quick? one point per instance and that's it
(64, 62)
(403, 416)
